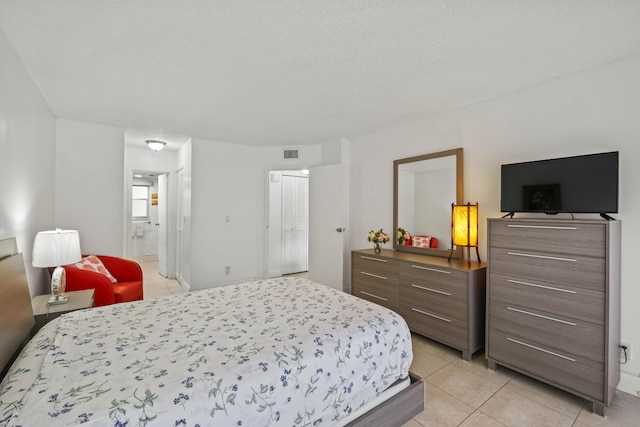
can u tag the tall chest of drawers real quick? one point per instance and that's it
(553, 303)
(441, 300)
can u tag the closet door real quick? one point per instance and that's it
(179, 224)
(295, 219)
(301, 224)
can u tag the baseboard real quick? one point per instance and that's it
(227, 283)
(184, 284)
(629, 383)
(275, 273)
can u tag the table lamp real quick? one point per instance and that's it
(464, 228)
(55, 249)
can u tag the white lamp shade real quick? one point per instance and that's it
(56, 248)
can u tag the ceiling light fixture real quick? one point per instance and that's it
(155, 145)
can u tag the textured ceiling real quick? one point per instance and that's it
(266, 72)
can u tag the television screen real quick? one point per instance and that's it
(579, 184)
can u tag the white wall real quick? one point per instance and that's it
(230, 180)
(89, 182)
(27, 162)
(589, 112)
(225, 183)
(146, 159)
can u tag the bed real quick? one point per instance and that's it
(264, 353)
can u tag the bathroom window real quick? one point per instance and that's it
(140, 202)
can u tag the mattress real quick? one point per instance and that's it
(273, 352)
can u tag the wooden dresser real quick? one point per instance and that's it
(441, 300)
(553, 303)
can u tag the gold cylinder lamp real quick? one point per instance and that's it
(464, 228)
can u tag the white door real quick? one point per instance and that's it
(179, 222)
(163, 206)
(326, 225)
(287, 222)
(301, 225)
(294, 223)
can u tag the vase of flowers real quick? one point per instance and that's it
(378, 237)
(403, 236)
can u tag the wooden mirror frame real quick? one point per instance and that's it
(457, 152)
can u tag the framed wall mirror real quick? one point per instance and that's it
(424, 187)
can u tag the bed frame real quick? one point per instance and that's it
(16, 315)
(16, 322)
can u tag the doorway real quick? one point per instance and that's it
(149, 218)
(287, 222)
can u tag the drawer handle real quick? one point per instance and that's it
(431, 290)
(373, 259)
(431, 269)
(555, 258)
(517, 310)
(373, 296)
(551, 288)
(546, 227)
(373, 275)
(541, 349)
(431, 315)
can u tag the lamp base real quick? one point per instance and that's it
(58, 299)
(58, 283)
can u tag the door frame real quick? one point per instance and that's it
(170, 223)
(267, 212)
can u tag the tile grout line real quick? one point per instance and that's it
(489, 398)
(582, 405)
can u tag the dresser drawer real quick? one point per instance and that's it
(382, 292)
(550, 330)
(436, 278)
(571, 301)
(432, 300)
(447, 330)
(571, 238)
(573, 372)
(572, 270)
(376, 266)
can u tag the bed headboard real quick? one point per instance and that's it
(16, 315)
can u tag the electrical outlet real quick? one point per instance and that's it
(227, 270)
(628, 351)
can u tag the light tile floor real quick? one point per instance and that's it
(154, 284)
(467, 394)
(304, 274)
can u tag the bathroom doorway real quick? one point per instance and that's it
(149, 221)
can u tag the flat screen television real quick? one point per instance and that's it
(579, 184)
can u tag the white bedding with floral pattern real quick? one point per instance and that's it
(278, 352)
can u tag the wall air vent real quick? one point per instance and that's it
(290, 154)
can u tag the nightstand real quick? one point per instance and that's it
(43, 312)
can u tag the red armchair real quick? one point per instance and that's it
(127, 273)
